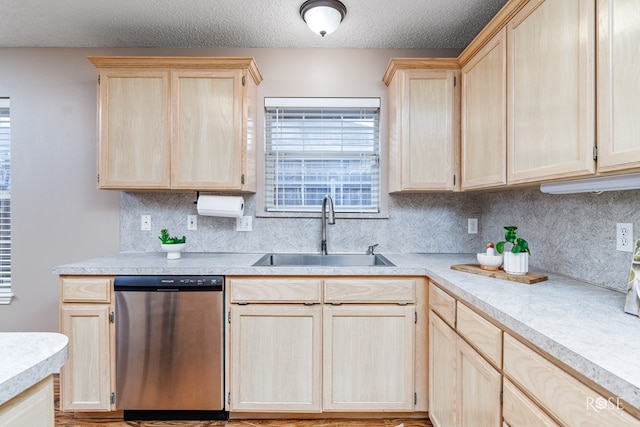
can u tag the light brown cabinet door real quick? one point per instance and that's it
(32, 407)
(85, 379)
(368, 354)
(478, 389)
(442, 372)
(134, 129)
(484, 116)
(207, 129)
(551, 91)
(569, 400)
(186, 123)
(519, 410)
(423, 130)
(618, 85)
(276, 358)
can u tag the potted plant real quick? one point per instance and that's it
(171, 245)
(516, 261)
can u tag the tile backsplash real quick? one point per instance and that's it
(573, 235)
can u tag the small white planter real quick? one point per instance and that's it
(173, 250)
(516, 263)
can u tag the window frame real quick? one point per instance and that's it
(6, 292)
(323, 102)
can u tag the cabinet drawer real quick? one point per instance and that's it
(519, 410)
(569, 400)
(374, 290)
(443, 304)
(486, 337)
(86, 289)
(274, 290)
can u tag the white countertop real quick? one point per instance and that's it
(581, 325)
(27, 358)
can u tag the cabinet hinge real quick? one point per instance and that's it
(229, 317)
(229, 398)
(501, 397)
(242, 179)
(415, 317)
(112, 398)
(112, 317)
(244, 80)
(455, 81)
(595, 152)
(98, 79)
(454, 179)
(415, 398)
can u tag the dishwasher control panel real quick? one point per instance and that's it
(169, 283)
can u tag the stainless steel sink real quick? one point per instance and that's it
(331, 260)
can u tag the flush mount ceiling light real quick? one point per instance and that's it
(323, 16)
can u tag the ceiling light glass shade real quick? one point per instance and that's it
(323, 16)
(594, 185)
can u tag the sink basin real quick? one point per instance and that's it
(331, 260)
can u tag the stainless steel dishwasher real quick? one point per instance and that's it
(169, 346)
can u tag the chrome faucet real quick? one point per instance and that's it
(332, 220)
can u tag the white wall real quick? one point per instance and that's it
(58, 214)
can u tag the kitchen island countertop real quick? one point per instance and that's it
(582, 325)
(27, 358)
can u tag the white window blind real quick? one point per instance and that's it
(5, 202)
(319, 146)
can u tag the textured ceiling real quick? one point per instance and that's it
(395, 24)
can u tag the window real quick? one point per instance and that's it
(319, 146)
(5, 203)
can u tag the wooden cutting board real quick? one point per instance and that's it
(528, 278)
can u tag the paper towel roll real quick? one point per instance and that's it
(221, 206)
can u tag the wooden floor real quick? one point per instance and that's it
(67, 419)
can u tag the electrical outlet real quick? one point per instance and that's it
(472, 225)
(145, 222)
(192, 222)
(624, 237)
(244, 223)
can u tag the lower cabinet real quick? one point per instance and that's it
(368, 358)
(477, 389)
(291, 350)
(85, 318)
(519, 410)
(569, 400)
(442, 372)
(33, 407)
(482, 376)
(464, 387)
(276, 354)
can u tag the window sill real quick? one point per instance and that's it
(6, 297)
(339, 215)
